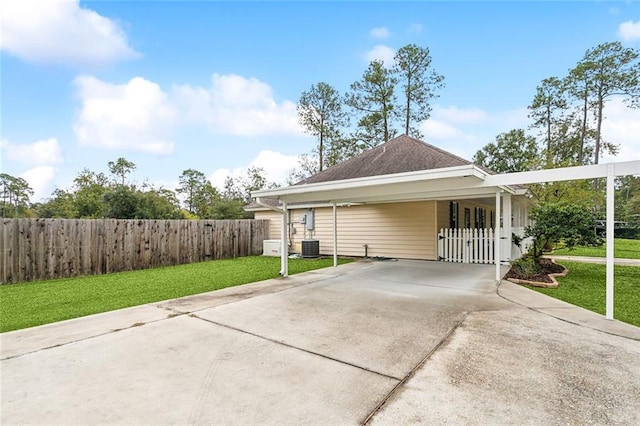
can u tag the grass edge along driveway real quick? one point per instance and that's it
(35, 303)
(584, 286)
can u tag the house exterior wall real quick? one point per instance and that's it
(444, 212)
(402, 230)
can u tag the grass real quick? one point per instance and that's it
(585, 287)
(624, 249)
(41, 302)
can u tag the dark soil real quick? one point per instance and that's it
(546, 267)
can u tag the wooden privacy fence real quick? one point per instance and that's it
(466, 245)
(32, 249)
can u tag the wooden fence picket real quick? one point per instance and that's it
(34, 249)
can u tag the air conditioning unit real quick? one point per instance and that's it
(310, 248)
(271, 248)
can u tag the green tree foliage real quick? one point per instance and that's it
(320, 113)
(512, 151)
(121, 168)
(374, 100)
(199, 194)
(568, 222)
(606, 70)
(547, 110)
(90, 188)
(15, 193)
(61, 204)
(419, 82)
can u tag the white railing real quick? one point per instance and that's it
(466, 245)
(476, 245)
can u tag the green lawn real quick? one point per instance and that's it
(29, 304)
(585, 287)
(624, 249)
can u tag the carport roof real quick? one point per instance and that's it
(403, 169)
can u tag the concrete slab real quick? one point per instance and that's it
(20, 342)
(598, 260)
(371, 320)
(184, 371)
(201, 301)
(520, 367)
(329, 347)
(565, 311)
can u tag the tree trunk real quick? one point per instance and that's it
(320, 150)
(598, 129)
(408, 111)
(583, 134)
(548, 137)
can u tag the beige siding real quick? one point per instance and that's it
(402, 230)
(275, 225)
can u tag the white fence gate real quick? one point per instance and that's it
(466, 245)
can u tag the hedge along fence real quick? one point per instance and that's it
(33, 249)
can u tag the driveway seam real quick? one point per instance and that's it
(296, 347)
(563, 319)
(114, 330)
(413, 371)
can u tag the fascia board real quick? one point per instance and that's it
(563, 174)
(372, 181)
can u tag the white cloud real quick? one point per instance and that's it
(629, 31)
(464, 131)
(382, 53)
(415, 28)
(456, 115)
(42, 152)
(135, 116)
(237, 105)
(275, 164)
(60, 31)
(622, 126)
(40, 179)
(436, 129)
(380, 32)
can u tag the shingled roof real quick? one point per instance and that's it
(399, 155)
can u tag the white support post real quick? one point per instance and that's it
(610, 238)
(496, 237)
(335, 234)
(284, 248)
(507, 225)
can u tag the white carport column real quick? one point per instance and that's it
(496, 236)
(506, 223)
(610, 237)
(284, 252)
(335, 234)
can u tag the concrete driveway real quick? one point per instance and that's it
(384, 342)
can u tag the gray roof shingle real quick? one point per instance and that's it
(398, 155)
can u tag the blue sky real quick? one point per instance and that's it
(212, 85)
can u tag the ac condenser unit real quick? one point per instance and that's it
(310, 248)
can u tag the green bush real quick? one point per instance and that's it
(526, 266)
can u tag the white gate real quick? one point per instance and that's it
(466, 245)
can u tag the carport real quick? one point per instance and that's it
(469, 181)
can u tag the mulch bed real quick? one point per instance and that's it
(548, 267)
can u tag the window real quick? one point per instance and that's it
(453, 214)
(483, 218)
(467, 218)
